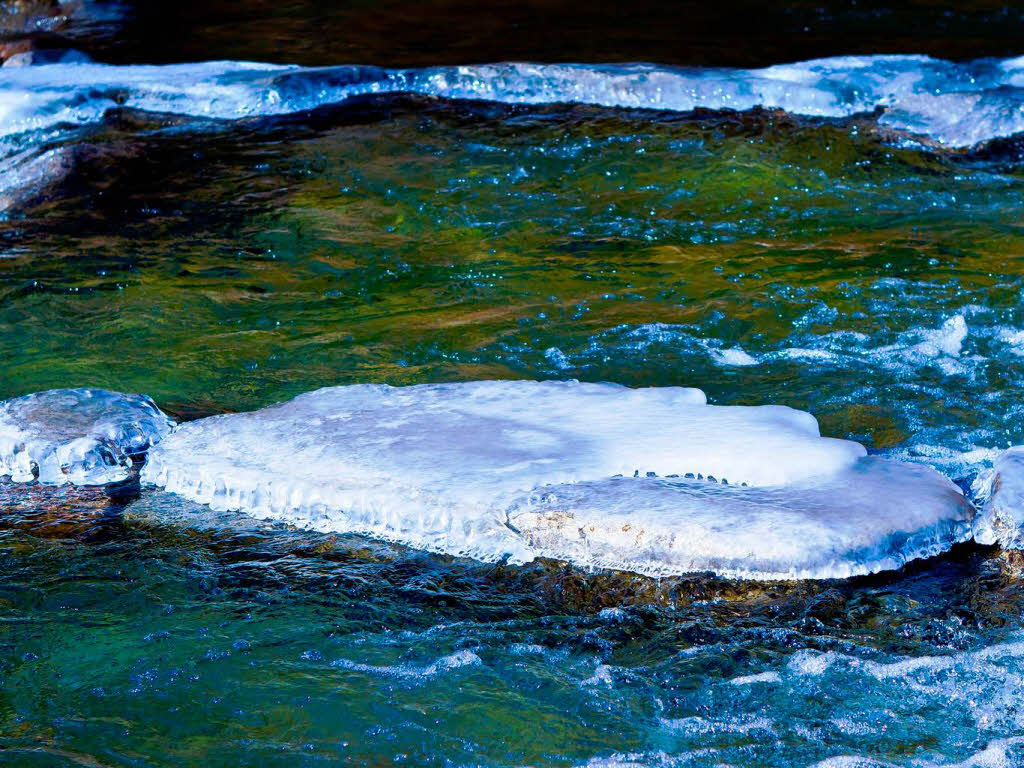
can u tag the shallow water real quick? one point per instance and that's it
(828, 264)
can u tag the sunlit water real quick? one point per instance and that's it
(823, 264)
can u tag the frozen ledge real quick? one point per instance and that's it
(81, 436)
(875, 515)
(956, 104)
(648, 480)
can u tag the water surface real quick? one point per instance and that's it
(826, 264)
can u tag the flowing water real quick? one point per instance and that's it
(860, 264)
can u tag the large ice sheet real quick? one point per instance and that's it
(81, 436)
(502, 469)
(953, 103)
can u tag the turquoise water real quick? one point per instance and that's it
(834, 265)
(149, 631)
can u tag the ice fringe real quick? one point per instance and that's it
(598, 474)
(82, 436)
(951, 103)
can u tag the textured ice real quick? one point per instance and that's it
(872, 516)
(1001, 492)
(592, 473)
(957, 104)
(81, 436)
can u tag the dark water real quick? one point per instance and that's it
(740, 33)
(219, 266)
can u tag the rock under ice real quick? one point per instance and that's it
(598, 474)
(81, 436)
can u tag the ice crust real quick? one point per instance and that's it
(591, 473)
(872, 516)
(1001, 494)
(80, 436)
(956, 104)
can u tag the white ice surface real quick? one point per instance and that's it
(952, 103)
(81, 436)
(872, 516)
(592, 473)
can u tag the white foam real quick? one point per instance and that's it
(81, 436)
(1001, 494)
(701, 726)
(591, 473)
(761, 677)
(999, 753)
(851, 761)
(414, 672)
(957, 104)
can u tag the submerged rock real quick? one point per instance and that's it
(597, 474)
(80, 436)
(1001, 491)
(27, 176)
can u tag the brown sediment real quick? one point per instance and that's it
(1013, 563)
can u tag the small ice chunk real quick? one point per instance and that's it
(81, 436)
(733, 356)
(1001, 491)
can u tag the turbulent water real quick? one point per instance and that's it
(840, 236)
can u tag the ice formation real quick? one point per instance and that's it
(599, 474)
(872, 516)
(81, 436)
(952, 103)
(1001, 491)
